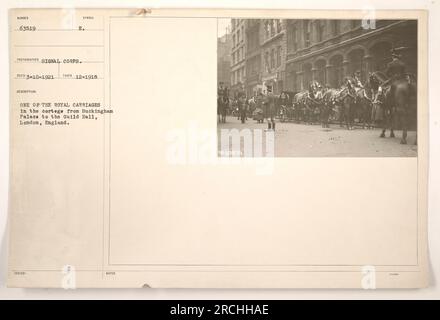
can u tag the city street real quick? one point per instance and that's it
(301, 140)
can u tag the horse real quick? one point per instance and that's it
(222, 107)
(252, 105)
(329, 100)
(347, 98)
(284, 111)
(309, 102)
(300, 105)
(219, 108)
(398, 97)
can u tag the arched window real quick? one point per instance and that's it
(320, 71)
(307, 74)
(292, 81)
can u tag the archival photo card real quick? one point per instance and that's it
(317, 87)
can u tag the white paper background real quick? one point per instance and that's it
(434, 203)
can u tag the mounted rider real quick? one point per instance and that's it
(396, 70)
(399, 94)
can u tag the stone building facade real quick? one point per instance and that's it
(273, 46)
(329, 50)
(253, 57)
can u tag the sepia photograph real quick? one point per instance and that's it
(121, 175)
(317, 88)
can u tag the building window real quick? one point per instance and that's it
(266, 60)
(278, 56)
(272, 58)
(266, 29)
(306, 33)
(278, 22)
(319, 31)
(335, 27)
(251, 41)
(293, 39)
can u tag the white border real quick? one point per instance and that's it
(433, 292)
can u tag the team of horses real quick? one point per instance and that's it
(389, 103)
(348, 103)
